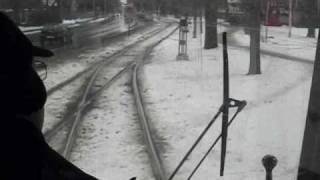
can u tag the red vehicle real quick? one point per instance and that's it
(272, 13)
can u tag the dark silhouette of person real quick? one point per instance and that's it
(24, 153)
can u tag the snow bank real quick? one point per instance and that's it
(30, 28)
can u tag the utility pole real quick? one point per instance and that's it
(290, 18)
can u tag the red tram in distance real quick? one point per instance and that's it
(272, 13)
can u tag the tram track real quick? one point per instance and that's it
(73, 120)
(87, 73)
(114, 55)
(156, 162)
(86, 101)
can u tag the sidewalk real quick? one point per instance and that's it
(182, 97)
(298, 47)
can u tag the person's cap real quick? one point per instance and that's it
(14, 40)
(41, 52)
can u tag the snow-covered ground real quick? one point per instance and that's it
(110, 140)
(110, 144)
(70, 22)
(183, 96)
(30, 28)
(278, 41)
(57, 102)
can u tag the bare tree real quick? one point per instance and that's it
(18, 6)
(195, 16)
(309, 12)
(311, 32)
(254, 28)
(211, 39)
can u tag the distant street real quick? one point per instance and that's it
(88, 37)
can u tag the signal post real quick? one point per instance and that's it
(183, 40)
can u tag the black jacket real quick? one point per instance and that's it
(22, 90)
(24, 154)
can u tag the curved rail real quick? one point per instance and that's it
(49, 134)
(85, 102)
(87, 98)
(71, 136)
(154, 155)
(110, 58)
(156, 163)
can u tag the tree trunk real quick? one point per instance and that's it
(255, 52)
(226, 4)
(195, 23)
(254, 20)
(60, 8)
(311, 32)
(211, 37)
(94, 8)
(73, 8)
(309, 166)
(201, 20)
